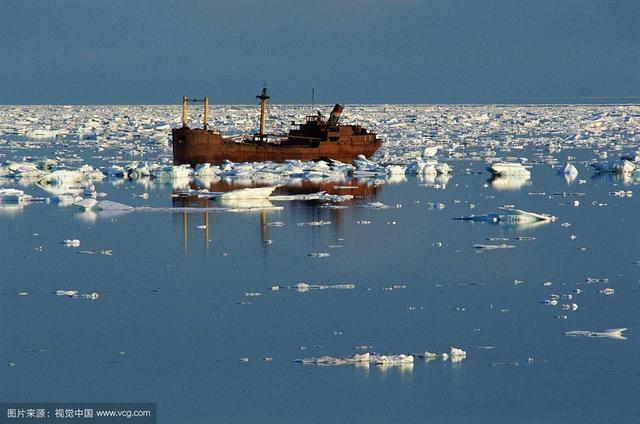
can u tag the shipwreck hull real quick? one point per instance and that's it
(194, 146)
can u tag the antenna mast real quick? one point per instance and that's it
(263, 109)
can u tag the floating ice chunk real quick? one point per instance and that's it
(395, 170)
(207, 170)
(172, 172)
(89, 173)
(621, 193)
(11, 195)
(508, 169)
(493, 246)
(510, 215)
(61, 176)
(137, 170)
(614, 333)
(457, 359)
(276, 224)
(87, 204)
(314, 223)
(108, 205)
(456, 352)
(396, 179)
(305, 287)
(361, 162)
(69, 293)
(618, 166)
(415, 167)
(429, 355)
(443, 169)
(115, 171)
(76, 295)
(570, 170)
(394, 359)
(71, 243)
(246, 193)
(362, 357)
(322, 195)
(357, 359)
(94, 252)
(375, 205)
(430, 151)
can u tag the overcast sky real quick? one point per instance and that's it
(353, 51)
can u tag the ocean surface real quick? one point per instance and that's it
(188, 315)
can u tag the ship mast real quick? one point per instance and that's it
(184, 111)
(263, 109)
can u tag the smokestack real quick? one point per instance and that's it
(334, 118)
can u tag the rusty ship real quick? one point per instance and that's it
(318, 138)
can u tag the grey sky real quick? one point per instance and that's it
(378, 51)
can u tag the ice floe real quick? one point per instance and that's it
(618, 166)
(614, 333)
(506, 169)
(510, 215)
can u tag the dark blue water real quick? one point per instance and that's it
(172, 320)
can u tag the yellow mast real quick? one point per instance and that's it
(184, 111)
(263, 109)
(206, 112)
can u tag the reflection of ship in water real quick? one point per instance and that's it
(360, 189)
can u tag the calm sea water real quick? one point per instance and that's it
(172, 320)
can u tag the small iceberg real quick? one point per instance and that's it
(394, 359)
(71, 243)
(457, 352)
(613, 333)
(570, 170)
(509, 215)
(508, 169)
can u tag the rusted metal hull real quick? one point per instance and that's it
(194, 146)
